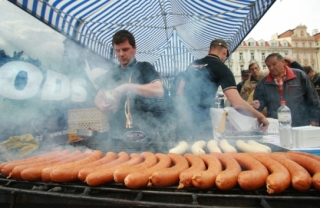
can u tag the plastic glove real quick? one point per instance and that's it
(107, 101)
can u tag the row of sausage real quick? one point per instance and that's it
(276, 171)
(200, 147)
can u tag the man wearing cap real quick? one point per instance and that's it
(200, 83)
(245, 74)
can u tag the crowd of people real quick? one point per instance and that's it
(286, 80)
(138, 106)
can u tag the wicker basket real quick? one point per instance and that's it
(87, 118)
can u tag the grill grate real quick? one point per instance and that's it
(115, 194)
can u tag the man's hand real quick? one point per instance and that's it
(255, 104)
(314, 123)
(263, 124)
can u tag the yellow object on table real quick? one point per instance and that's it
(222, 125)
(24, 144)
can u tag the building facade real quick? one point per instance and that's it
(304, 46)
(316, 36)
(252, 50)
(297, 43)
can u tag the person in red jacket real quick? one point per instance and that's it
(291, 85)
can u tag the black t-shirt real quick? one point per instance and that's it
(202, 80)
(145, 111)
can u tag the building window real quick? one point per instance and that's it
(264, 67)
(302, 44)
(284, 44)
(262, 43)
(241, 67)
(310, 44)
(296, 44)
(263, 56)
(297, 55)
(252, 56)
(311, 55)
(304, 55)
(240, 56)
(285, 53)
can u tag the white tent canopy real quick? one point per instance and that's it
(169, 33)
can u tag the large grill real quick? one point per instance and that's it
(15, 193)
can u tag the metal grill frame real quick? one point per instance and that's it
(116, 194)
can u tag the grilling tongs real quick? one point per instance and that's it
(129, 122)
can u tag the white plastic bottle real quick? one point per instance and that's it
(285, 130)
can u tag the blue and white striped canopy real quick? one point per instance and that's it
(169, 33)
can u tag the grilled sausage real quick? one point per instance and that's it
(212, 146)
(310, 164)
(70, 174)
(103, 176)
(59, 175)
(45, 173)
(207, 178)
(265, 147)
(306, 154)
(26, 160)
(16, 172)
(169, 176)
(279, 179)
(227, 179)
(196, 164)
(140, 179)
(226, 147)
(180, 149)
(300, 178)
(256, 174)
(245, 147)
(34, 173)
(197, 147)
(122, 157)
(7, 169)
(149, 160)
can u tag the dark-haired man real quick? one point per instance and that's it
(314, 76)
(130, 94)
(291, 85)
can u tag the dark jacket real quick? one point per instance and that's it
(296, 65)
(298, 92)
(316, 80)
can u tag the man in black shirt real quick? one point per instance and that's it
(197, 88)
(130, 94)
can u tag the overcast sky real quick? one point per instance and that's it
(20, 30)
(287, 15)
